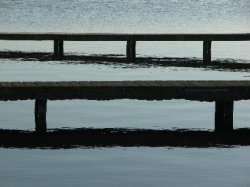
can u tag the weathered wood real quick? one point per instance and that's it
(123, 37)
(40, 115)
(207, 51)
(224, 116)
(131, 50)
(142, 90)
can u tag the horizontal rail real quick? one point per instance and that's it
(142, 90)
(123, 37)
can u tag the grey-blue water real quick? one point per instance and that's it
(123, 166)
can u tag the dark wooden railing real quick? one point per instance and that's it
(131, 39)
(223, 93)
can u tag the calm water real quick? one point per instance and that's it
(119, 166)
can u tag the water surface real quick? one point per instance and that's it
(123, 166)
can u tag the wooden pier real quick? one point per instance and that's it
(223, 93)
(131, 40)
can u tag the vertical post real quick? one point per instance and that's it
(40, 115)
(207, 51)
(131, 50)
(224, 116)
(58, 48)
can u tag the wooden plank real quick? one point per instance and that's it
(149, 83)
(124, 37)
(142, 90)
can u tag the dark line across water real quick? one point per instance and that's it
(110, 137)
(111, 59)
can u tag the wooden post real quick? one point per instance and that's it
(224, 116)
(58, 48)
(40, 115)
(207, 51)
(131, 51)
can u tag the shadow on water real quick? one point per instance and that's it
(112, 137)
(111, 59)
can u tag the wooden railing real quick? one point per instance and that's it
(223, 93)
(131, 40)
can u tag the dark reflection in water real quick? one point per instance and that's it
(111, 137)
(111, 59)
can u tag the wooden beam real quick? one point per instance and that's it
(40, 115)
(123, 36)
(224, 116)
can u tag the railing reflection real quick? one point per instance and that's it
(112, 137)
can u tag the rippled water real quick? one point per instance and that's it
(125, 15)
(126, 167)
(118, 166)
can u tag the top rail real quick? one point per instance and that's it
(123, 36)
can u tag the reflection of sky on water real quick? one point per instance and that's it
(119, 166)
(16, 70)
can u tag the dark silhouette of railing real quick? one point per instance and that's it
(109, 137)
(223, 93)
(131, 39)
